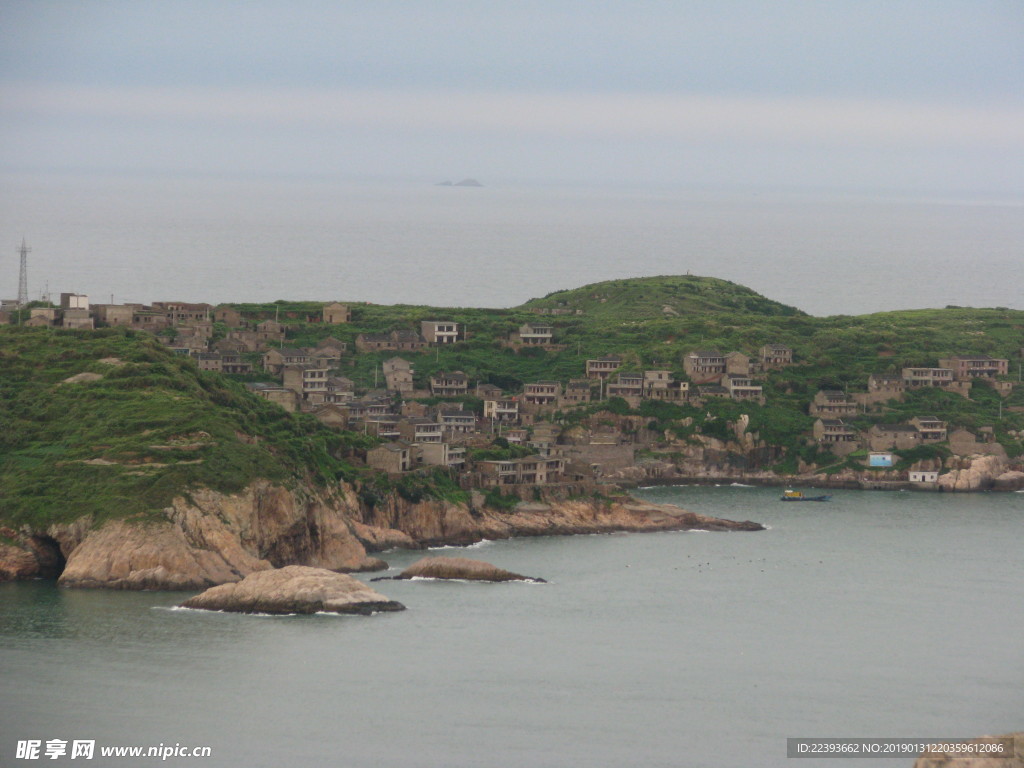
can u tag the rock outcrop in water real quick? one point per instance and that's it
(435, 523)
(981, 473)
(212, 538)
(294, 589)
(460, 568)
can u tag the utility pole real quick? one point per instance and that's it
(23, 275)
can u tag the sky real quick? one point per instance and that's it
(916, 95)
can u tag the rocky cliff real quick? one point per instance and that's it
(980, 473)
(205, 539)
(209, 538)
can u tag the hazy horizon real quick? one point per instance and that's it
(133, 136)
(920, 97)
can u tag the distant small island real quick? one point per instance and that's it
(463, 183)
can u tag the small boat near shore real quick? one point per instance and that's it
(789, 495)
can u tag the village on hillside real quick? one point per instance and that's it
(492, 437)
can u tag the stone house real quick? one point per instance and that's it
(152, 320)
(382, 425)
(455, 421)
(626, 385)
(887, 437)
(832, 403)
(675, 392)
(776, 356)
(833, 431)
(487, 391)
(233, 346)
(332, 416)
(77, 318)
(420, 430)
(975, 366)
(306, 380)
(266, 334)
(209, 361)
(885, 386)
(927, 377)
(532, 470)
(441, 455)
(340, 389)
(336, 314)
(393, 458)
(924, 475)
(232, 362)
(453, 384)
(332, 343)
(704, 366)
(398, 375)
(325, 358)
(232, 318)
(368, 406)
(930, 429)
(393, 340)
(516, 435)
(738, 363)
(542, 393)
(179, 312)
(502, 409)
(656, 380)
(534, 334)
(271, 328)
(576, 391)
(742, 387)
(962, 442)
(41, 317)
(113, 314)
(275, 360)
(286, 398)
(439, 331)
(603, 367)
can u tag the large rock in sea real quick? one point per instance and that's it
(294, 589)
(954, 759)
(459, 568)
(977, 473)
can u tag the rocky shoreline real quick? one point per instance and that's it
(967, 474)
(212, 538)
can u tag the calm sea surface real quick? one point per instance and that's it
(876, 615)
(218, 240)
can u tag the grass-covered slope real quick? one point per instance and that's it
(141, 427)
(650, 297)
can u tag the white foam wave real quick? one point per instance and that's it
(474, 545)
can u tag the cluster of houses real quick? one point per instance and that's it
(955, 374)
(310, 379)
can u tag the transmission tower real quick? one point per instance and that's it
(23, 276)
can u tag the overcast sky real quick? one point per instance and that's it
(920, 95)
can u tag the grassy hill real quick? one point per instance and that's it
(144, 425)
(110, 423)
(666, 296)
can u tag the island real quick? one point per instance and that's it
(184, 445)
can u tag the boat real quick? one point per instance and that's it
(789, 495)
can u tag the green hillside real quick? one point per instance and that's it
(666, 296)
(139, 427)
(145, 425)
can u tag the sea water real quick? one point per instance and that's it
(144, 239)
(877, 615)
